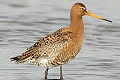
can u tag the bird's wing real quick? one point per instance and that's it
(46, 47)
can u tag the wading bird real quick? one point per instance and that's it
(61, 46)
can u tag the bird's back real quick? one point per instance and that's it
(55, 49)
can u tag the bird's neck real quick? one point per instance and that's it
(77, 26)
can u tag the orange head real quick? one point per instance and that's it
(79, 9)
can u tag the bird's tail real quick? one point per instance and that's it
(16, 59)
(22, 58)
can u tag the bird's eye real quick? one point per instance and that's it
(83, 8)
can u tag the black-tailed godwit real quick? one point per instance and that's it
(61, 46)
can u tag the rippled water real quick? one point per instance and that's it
(22, 22)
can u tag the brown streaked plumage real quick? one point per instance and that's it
(61, 46)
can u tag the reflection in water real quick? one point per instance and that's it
(23, 22)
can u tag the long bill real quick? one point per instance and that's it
(95, 16)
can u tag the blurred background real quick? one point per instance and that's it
(22, 22)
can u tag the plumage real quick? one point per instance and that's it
(61, 46)
(46, 48)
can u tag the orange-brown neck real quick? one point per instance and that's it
(77, 26)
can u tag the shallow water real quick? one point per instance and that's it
(22, 22)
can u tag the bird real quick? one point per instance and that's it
(61, 46)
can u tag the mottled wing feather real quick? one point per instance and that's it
(47, 47)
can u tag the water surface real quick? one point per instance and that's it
(23, 22)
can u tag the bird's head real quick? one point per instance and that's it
(80, 10)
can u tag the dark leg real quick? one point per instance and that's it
(46, 73)
(61, 76)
